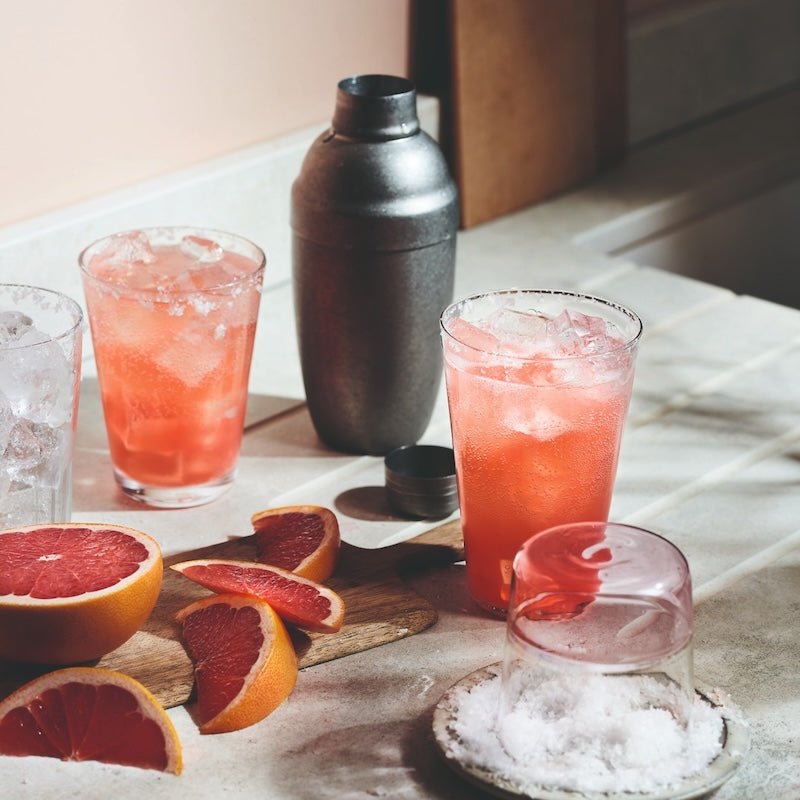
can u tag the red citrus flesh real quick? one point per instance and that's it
(302, 602)
(89, 714)
(245, 663)
(302, 539)
(71, 592)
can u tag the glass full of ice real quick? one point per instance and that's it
(597, 672)
(173, 314)
(40, 371)
(538, 386)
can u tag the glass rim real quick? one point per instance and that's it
(629, 344)
(259, 259)
(68, 333)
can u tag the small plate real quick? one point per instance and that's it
(736, 741)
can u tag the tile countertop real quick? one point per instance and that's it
(710, 459)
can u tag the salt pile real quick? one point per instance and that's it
(590, 736)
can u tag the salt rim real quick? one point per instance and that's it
(473, 748)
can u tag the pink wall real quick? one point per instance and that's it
(99, 94)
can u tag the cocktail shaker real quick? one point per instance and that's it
(374, 218)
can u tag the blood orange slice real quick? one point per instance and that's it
(302, 539)
(304, 603)
(245, 663)
(71, 592)
(89, 714)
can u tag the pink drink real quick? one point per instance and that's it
(538, 396)
(173, 315)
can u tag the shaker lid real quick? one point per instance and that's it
(421, 480)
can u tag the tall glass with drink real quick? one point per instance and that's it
(173, 316)
(538, 386)
(40, 370)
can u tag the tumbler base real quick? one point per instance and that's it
(174, 496)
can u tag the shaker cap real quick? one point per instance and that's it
(421, 480)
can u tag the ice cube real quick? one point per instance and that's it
(212, 276)
(579, 334)
(202, 251)
(23, 451)
(13, 324)
(34, 453)
(473, 336)
(537, 421)
(519, 323)
(520, 331)
(123, 249)
(38, 382)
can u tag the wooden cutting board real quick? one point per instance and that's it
(379, 608)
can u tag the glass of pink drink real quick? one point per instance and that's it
(173, 315)
(538, 386)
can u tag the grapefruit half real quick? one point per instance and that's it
(72, 592)
(89, 714)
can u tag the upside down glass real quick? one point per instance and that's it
(173, 315)
(599, 642)
(40, 370)
(538, 386)
(599, 629)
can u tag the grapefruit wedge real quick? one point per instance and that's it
(301, 539)
(89, 714)
(304, 603)
(71, 592)
(245, 663)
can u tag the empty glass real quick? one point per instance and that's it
(599, 633)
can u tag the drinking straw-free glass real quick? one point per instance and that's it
(538, 386)
(173, 316)
(40, 370)
(599, 607)
(598, 654)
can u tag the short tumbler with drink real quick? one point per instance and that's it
(173, 315)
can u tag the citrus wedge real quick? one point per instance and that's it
(302, 539)
(304, 603)
(245, 663)
(89, 714)
(71, 592)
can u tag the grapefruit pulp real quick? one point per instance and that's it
(245, 663)
(301, 539)
(89, 714)
(304, 603)
(72, 592)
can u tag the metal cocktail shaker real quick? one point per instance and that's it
(374, 219)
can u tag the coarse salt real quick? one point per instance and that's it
(598, 737)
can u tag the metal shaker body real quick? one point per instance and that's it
(374, 219)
